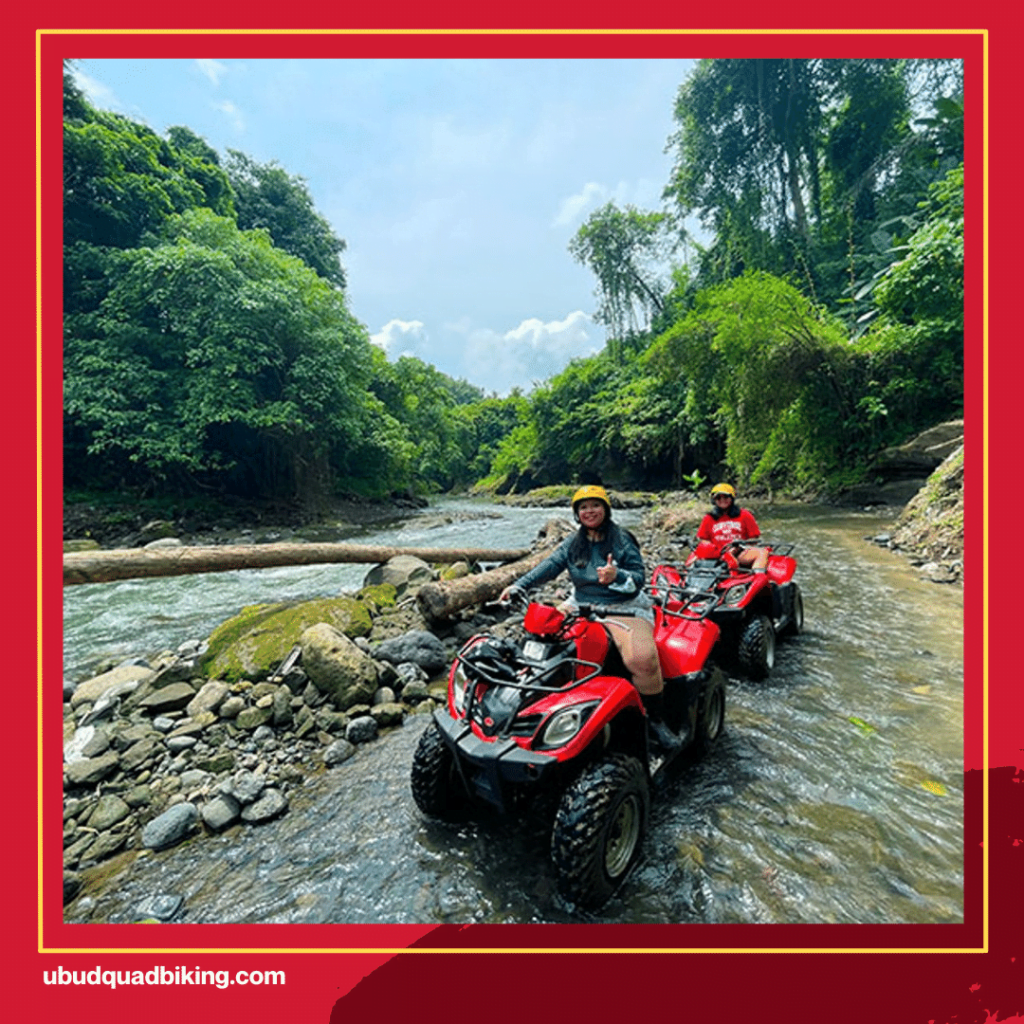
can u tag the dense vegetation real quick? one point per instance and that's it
(210, 350)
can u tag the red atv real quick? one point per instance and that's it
(750, 608)
(553, 712)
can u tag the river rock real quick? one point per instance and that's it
(172, 697)
(361, 730)
(409, 672)
(170, 827)
(337, 666)
(109, 810)
(74, 748)
(405, 573)
(125, 735)
(221, 811)
(418, 646)
(162, 907)
(210, 697)
(231, 707)
(92, 689)
(140, 753)
(415, 691)
(89, 770)
(245, 786)
(270, 804)
(337, 752)
(390, 713)
(252, 718)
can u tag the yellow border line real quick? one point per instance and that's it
(984, 487)
(512, 32)
(984, 948)
(39, 479)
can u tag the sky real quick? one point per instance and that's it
(456, 184)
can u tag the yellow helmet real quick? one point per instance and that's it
(723, 489)
(591, 491)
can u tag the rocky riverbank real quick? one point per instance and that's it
(209, 738)
(125, 524)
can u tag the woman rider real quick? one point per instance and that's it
(606, 568)
(727, 523)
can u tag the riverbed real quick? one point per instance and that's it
(835, 794)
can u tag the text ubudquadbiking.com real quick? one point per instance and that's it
(162, 976)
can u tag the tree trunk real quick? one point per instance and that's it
(103, 566)
(438, 601)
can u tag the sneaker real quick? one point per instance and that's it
(663, 736)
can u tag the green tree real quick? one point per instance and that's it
(122, 180)
(216, 359)
(267, 196)
(624, 249)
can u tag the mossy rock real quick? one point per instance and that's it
(378, 596)
(260, 637)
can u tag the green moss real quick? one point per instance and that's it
(378, 596)
(257, 640)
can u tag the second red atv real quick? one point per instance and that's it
(750, 608)
(553, 712)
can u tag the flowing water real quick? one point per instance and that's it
(834, 795)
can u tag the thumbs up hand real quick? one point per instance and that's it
(606, 573)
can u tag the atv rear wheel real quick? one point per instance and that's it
(599, 829)
(756, 651)
(711, 714)
(436, 786)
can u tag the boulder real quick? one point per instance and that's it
(405, 573)
(921, 454)
(337, 666)
(92, 689)
(257, 640)
(417, 646)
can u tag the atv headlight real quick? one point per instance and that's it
(459, 689)
(564, 724)
(734, 595)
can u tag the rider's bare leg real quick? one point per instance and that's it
(639, 654)
(753, 558)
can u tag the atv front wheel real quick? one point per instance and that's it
(711, 714)
(436, 786)
(599, 829)
(756, 651)
(795, 624)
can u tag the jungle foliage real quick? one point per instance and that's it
(209, 347)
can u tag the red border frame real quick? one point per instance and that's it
(986, 793)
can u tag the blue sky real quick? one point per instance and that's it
(456, 184)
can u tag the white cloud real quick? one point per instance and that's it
(527, 354)
(572, 209)
(401, 337)
(232, 113)
(643, 193)
(97, 93)
(213, 69)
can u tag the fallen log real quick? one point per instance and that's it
(121, 564)
(439, 601)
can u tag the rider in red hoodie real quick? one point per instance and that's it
(727, 523)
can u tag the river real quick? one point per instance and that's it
(835, 794)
